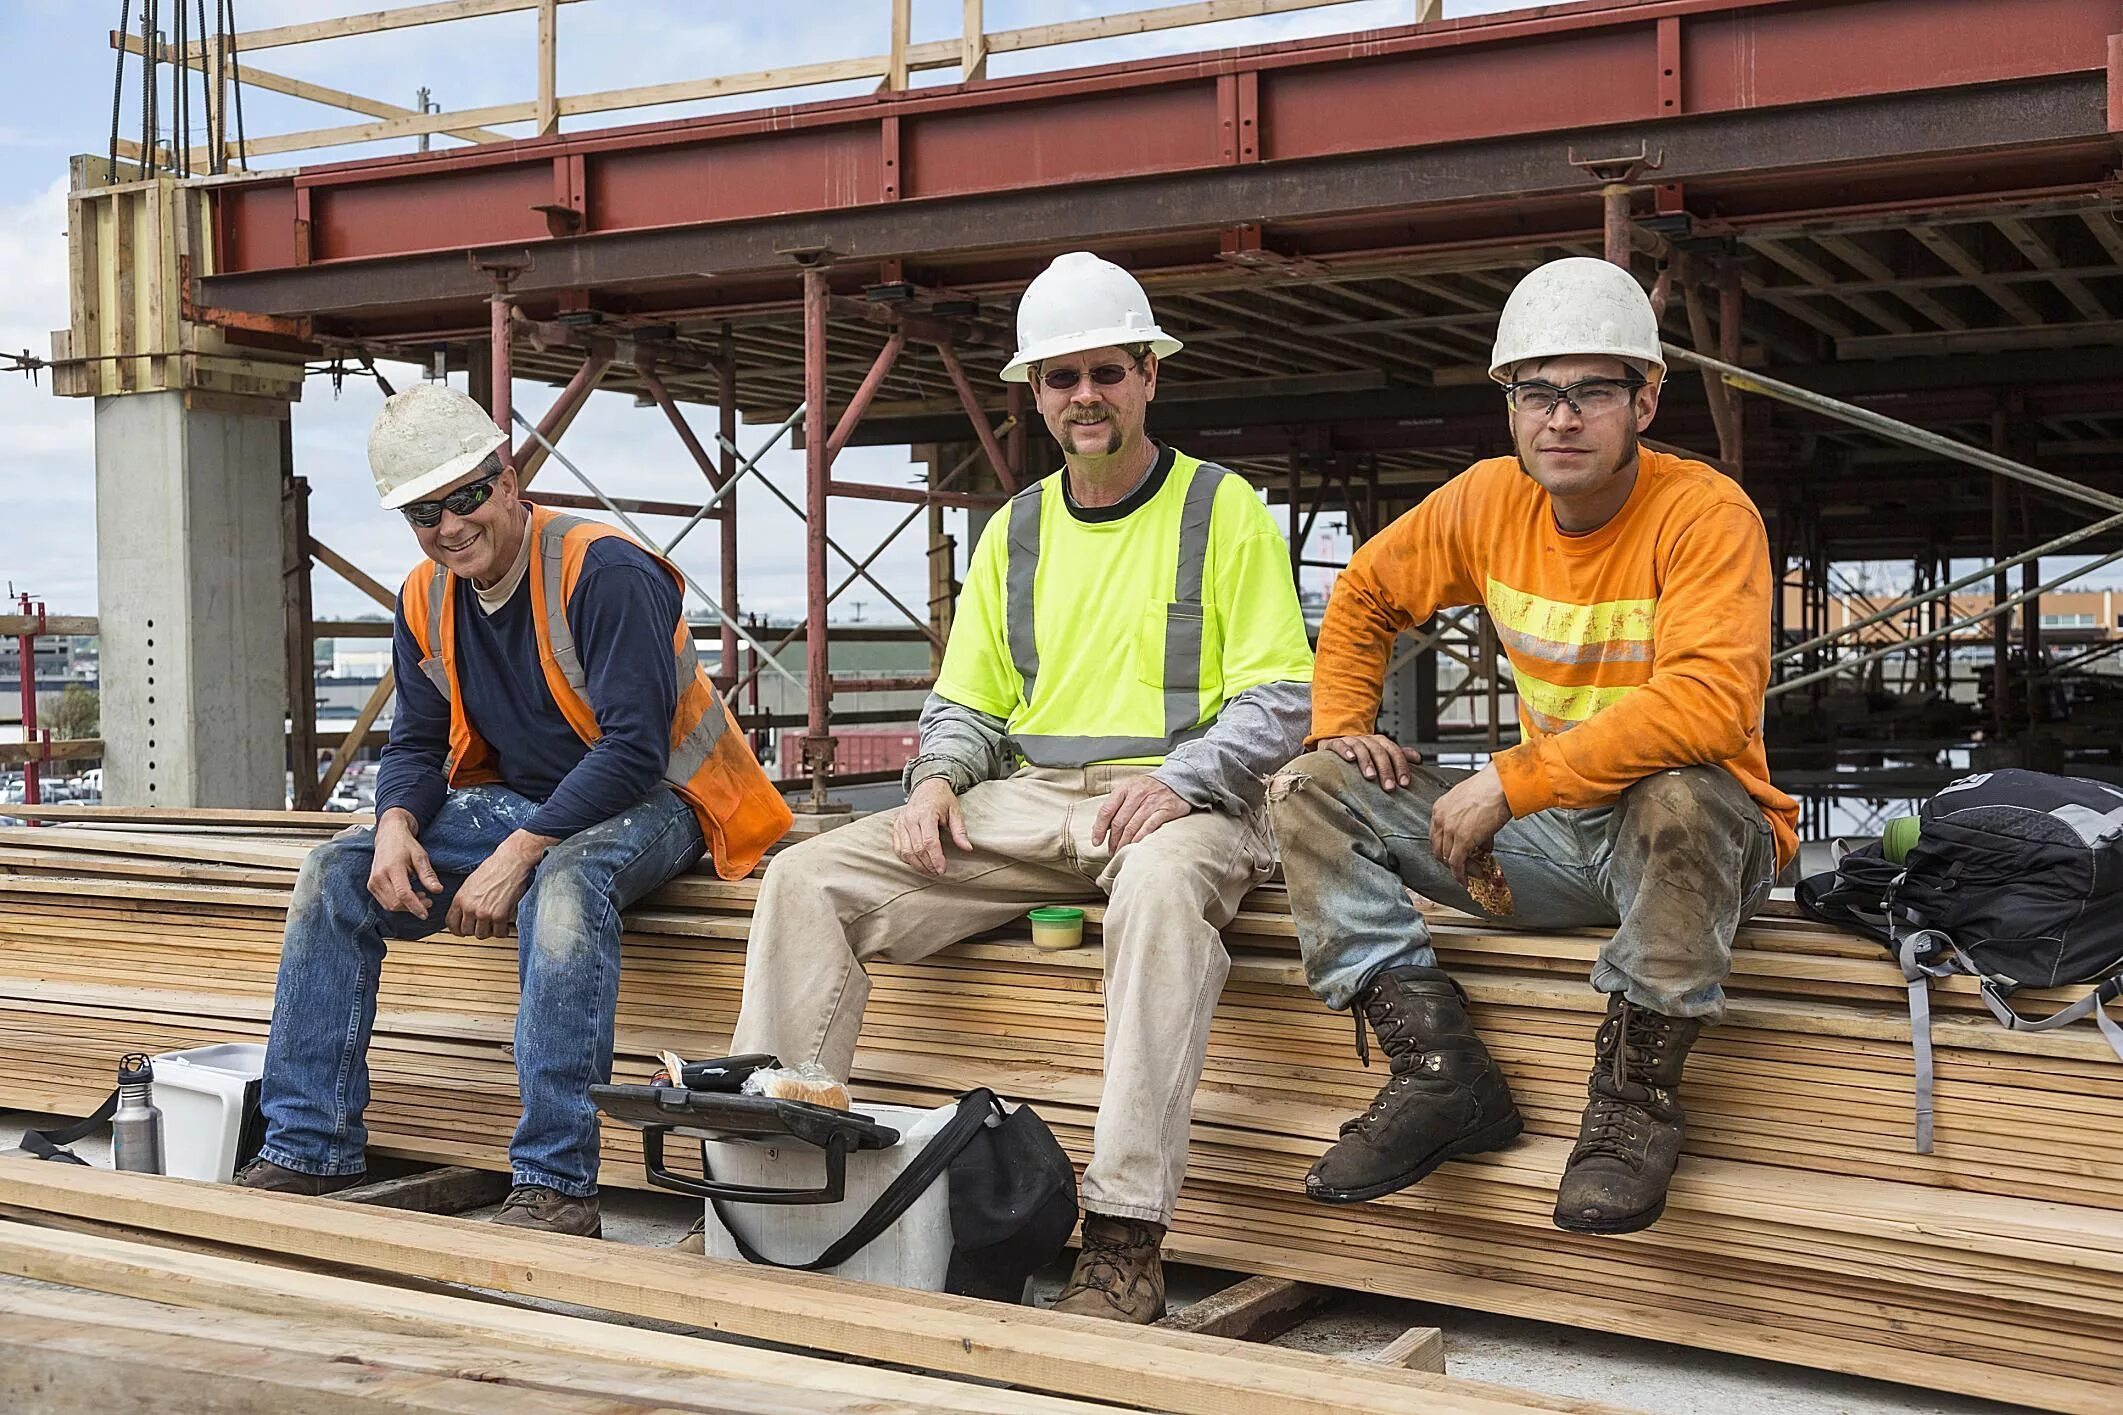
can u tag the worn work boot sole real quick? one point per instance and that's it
(1627, 1223)
(1494, 1136)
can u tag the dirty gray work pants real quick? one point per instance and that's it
(1672, 867)
(834, 902)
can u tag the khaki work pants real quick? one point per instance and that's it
(834, 902)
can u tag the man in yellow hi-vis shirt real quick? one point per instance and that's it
(1127, 664)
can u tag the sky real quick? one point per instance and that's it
(61, 83)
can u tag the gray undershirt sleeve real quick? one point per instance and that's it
(963, 745)
(1257, 734)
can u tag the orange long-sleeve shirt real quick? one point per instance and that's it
(1637, 647)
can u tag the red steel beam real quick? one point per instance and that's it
(1561, 70)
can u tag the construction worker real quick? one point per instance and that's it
(546, 768)
(1631, 590)
(1127, 663)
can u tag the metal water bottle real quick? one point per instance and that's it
(136, 1126)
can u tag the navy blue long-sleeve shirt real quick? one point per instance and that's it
(623, 614)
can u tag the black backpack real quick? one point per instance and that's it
(2016, 879)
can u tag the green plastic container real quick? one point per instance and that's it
(1056, 927)
(1900, 838)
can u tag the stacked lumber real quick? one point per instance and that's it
(337, 1306)
(1802, 1227)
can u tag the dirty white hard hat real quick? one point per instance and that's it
(1577, 305)
(424, 439)
(1081, 302)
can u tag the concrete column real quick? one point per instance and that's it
(189, 564)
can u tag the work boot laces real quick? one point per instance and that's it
(1620, 1121)
(1111, 1257)
(1388, 1023)
(535, 1197)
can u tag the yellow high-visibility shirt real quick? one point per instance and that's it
(1140, 628)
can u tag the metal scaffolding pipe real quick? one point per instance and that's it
(851, 415)
(635, 529)
(501, 394)
(1895, 430)
(2003, 606)
(1903, 606)
(726, 464)
(818, 728)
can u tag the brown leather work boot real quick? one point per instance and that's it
(1630, 1138)
(544, 1210)
(1446, 1096)
(276, 1179)
(1119, 1275)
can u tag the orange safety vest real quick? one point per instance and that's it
(710, 766)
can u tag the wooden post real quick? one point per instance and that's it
(973, 47)
(548, 67)
(902, 26)
(295, 603)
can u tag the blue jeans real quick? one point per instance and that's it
(567, 947)
(1672, 867)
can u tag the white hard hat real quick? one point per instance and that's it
(424, 439)
(1577, 305)
(1081, 302)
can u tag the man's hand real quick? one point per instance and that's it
(1140, 805)
(917, 831)
(485, 906)
(400, 877)
(1378, 756)
(1466, 818)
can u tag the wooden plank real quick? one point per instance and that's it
(254, 77)
(343, 750)
(353, 574)
(15, 625)
(162, 1274)
(195, 816)
(68, 749)
(370, 22)
(1041, 1350)
(449, 1190)
(1418, 1349)
(1258, 1309)
(99, 1353)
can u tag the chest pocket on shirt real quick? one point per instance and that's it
(1178, 624)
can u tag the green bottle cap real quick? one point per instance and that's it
(1900, 837)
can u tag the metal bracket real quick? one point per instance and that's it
(1625, 167)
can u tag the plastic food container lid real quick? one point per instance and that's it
(1057, 914)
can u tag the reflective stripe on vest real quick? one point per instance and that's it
(437, 671)
(688, 753)
(1183, 632)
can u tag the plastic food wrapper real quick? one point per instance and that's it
(1487, 886)
(806, 1081)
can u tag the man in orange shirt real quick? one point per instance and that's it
(1631, 590)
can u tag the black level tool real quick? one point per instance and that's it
(725, 1115)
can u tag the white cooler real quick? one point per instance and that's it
(205, 1095)
(914, 1252)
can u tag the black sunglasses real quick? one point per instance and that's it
(461, 502)
(1061, 380)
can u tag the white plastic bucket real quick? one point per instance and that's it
(204, 1095)
(915, 1252)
